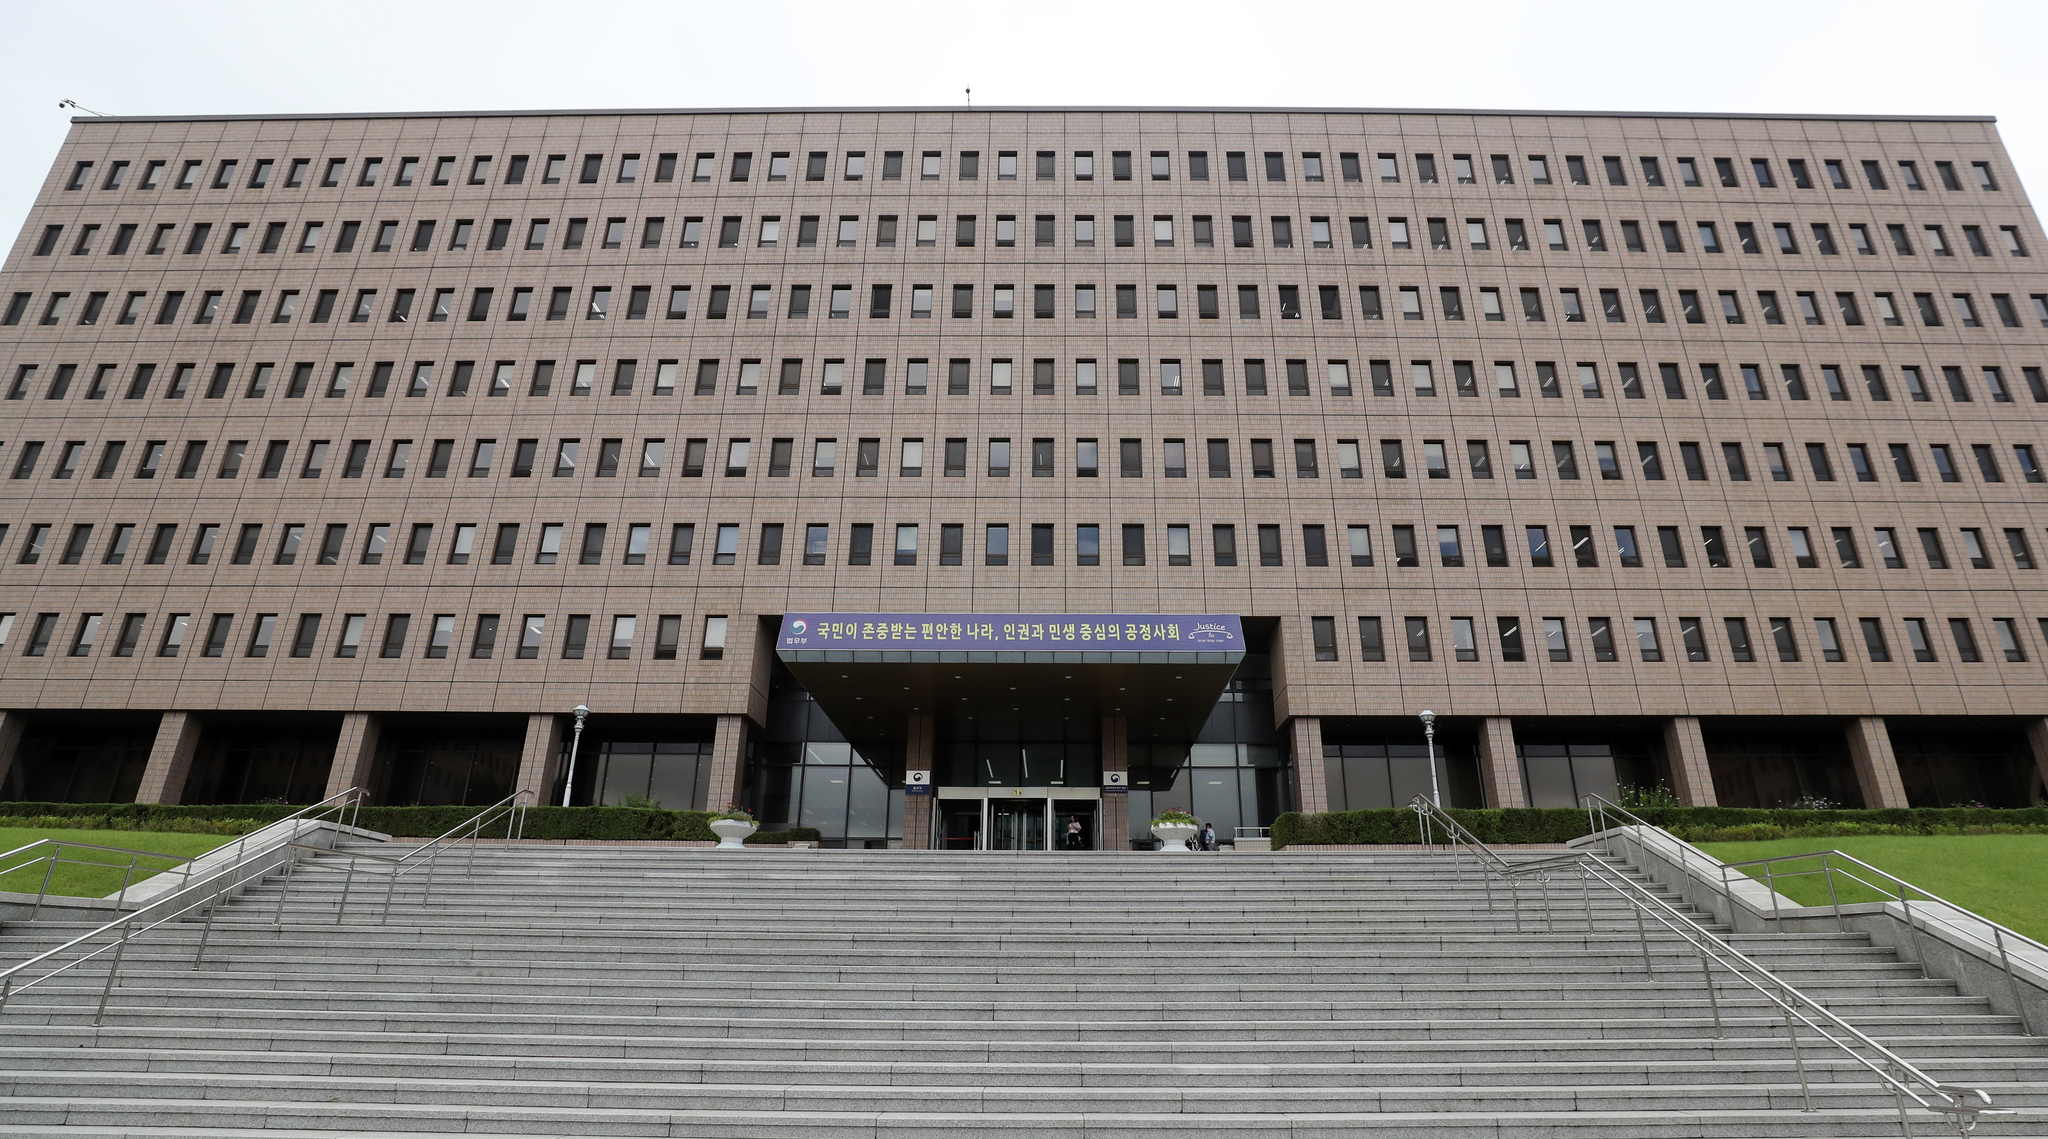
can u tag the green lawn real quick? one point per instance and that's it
(93, 881)
(2001, 876)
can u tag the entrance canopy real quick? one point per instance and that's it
(871, 672)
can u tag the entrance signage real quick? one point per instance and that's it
(917, 783)
(1116, 781)
(1014, 632)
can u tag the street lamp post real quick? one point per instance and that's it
(569, 784)
(1429, 734)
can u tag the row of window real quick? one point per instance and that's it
(1716, 547)
(613, 233)
(1574, 305)
(266, 633)
(1607, 639)
(1089, 456)
(930, 165)
(1002, 377)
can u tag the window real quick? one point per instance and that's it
(1625, 545)
(1418, 638)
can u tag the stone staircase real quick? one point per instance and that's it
(883, 994)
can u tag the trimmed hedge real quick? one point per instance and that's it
(614, 823)
(793, 834)
(1561, 824)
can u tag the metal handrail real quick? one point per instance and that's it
(1952, 1102)
(207, 891)
(56, 855)
(1598, 808)
(1896, 892)
(512, 809)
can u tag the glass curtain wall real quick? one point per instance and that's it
(78, 762)
(252, 764)
(437, 764)
(804, 773)
(1234, 774)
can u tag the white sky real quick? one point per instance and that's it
(242, 57)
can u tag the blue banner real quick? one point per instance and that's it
(1013, 632)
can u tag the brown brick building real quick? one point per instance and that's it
(1640, 448)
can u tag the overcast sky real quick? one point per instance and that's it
(1871, 57)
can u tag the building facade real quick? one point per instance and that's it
(1702, 451)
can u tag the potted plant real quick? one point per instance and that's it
(1174, 829)
(732, 826)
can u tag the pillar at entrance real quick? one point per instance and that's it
(540, 759)
(1311, 778)
(12, 724)
(1877, 770)
(170, 760)
(355, 751)
(1686, 749)
(728, 751)
(1114, 819)
(1499, 764)
(917, 809)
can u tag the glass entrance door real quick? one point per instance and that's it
(1016, 824)
(959, 824)
(1073, 824)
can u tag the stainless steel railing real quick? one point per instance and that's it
(1836, 869)
(1959, 1106)
(511, 810)
(114, 936)
(52, 856)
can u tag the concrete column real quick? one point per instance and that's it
(917, 809)
(1686, 750)
(170, 761)
(355, 752)
(1877, 770)
(1311, 776)
(1499, 765)
(728, 752)
(1113, 823)
(540, 759)
(2037, 742)
(12, 724)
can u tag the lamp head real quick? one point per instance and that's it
(581, 711)
(1428, 718)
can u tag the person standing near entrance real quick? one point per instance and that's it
(1208, 836)
(1073, 832)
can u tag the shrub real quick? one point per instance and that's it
(1694, 824)
(607, 823)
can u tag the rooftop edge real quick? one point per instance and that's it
(1011, 110)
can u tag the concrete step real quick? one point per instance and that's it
(137, 973)
(1119, 1072)
(1850, 1091)
(132, 998)
(652, 1046)
(1614, 1032)
(220, 1116)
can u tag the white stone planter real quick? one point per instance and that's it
(732, 832)
(1175, 835)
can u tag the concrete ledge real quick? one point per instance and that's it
(1414, 847)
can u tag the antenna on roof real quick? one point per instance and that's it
(73, 105)
(970, 96)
